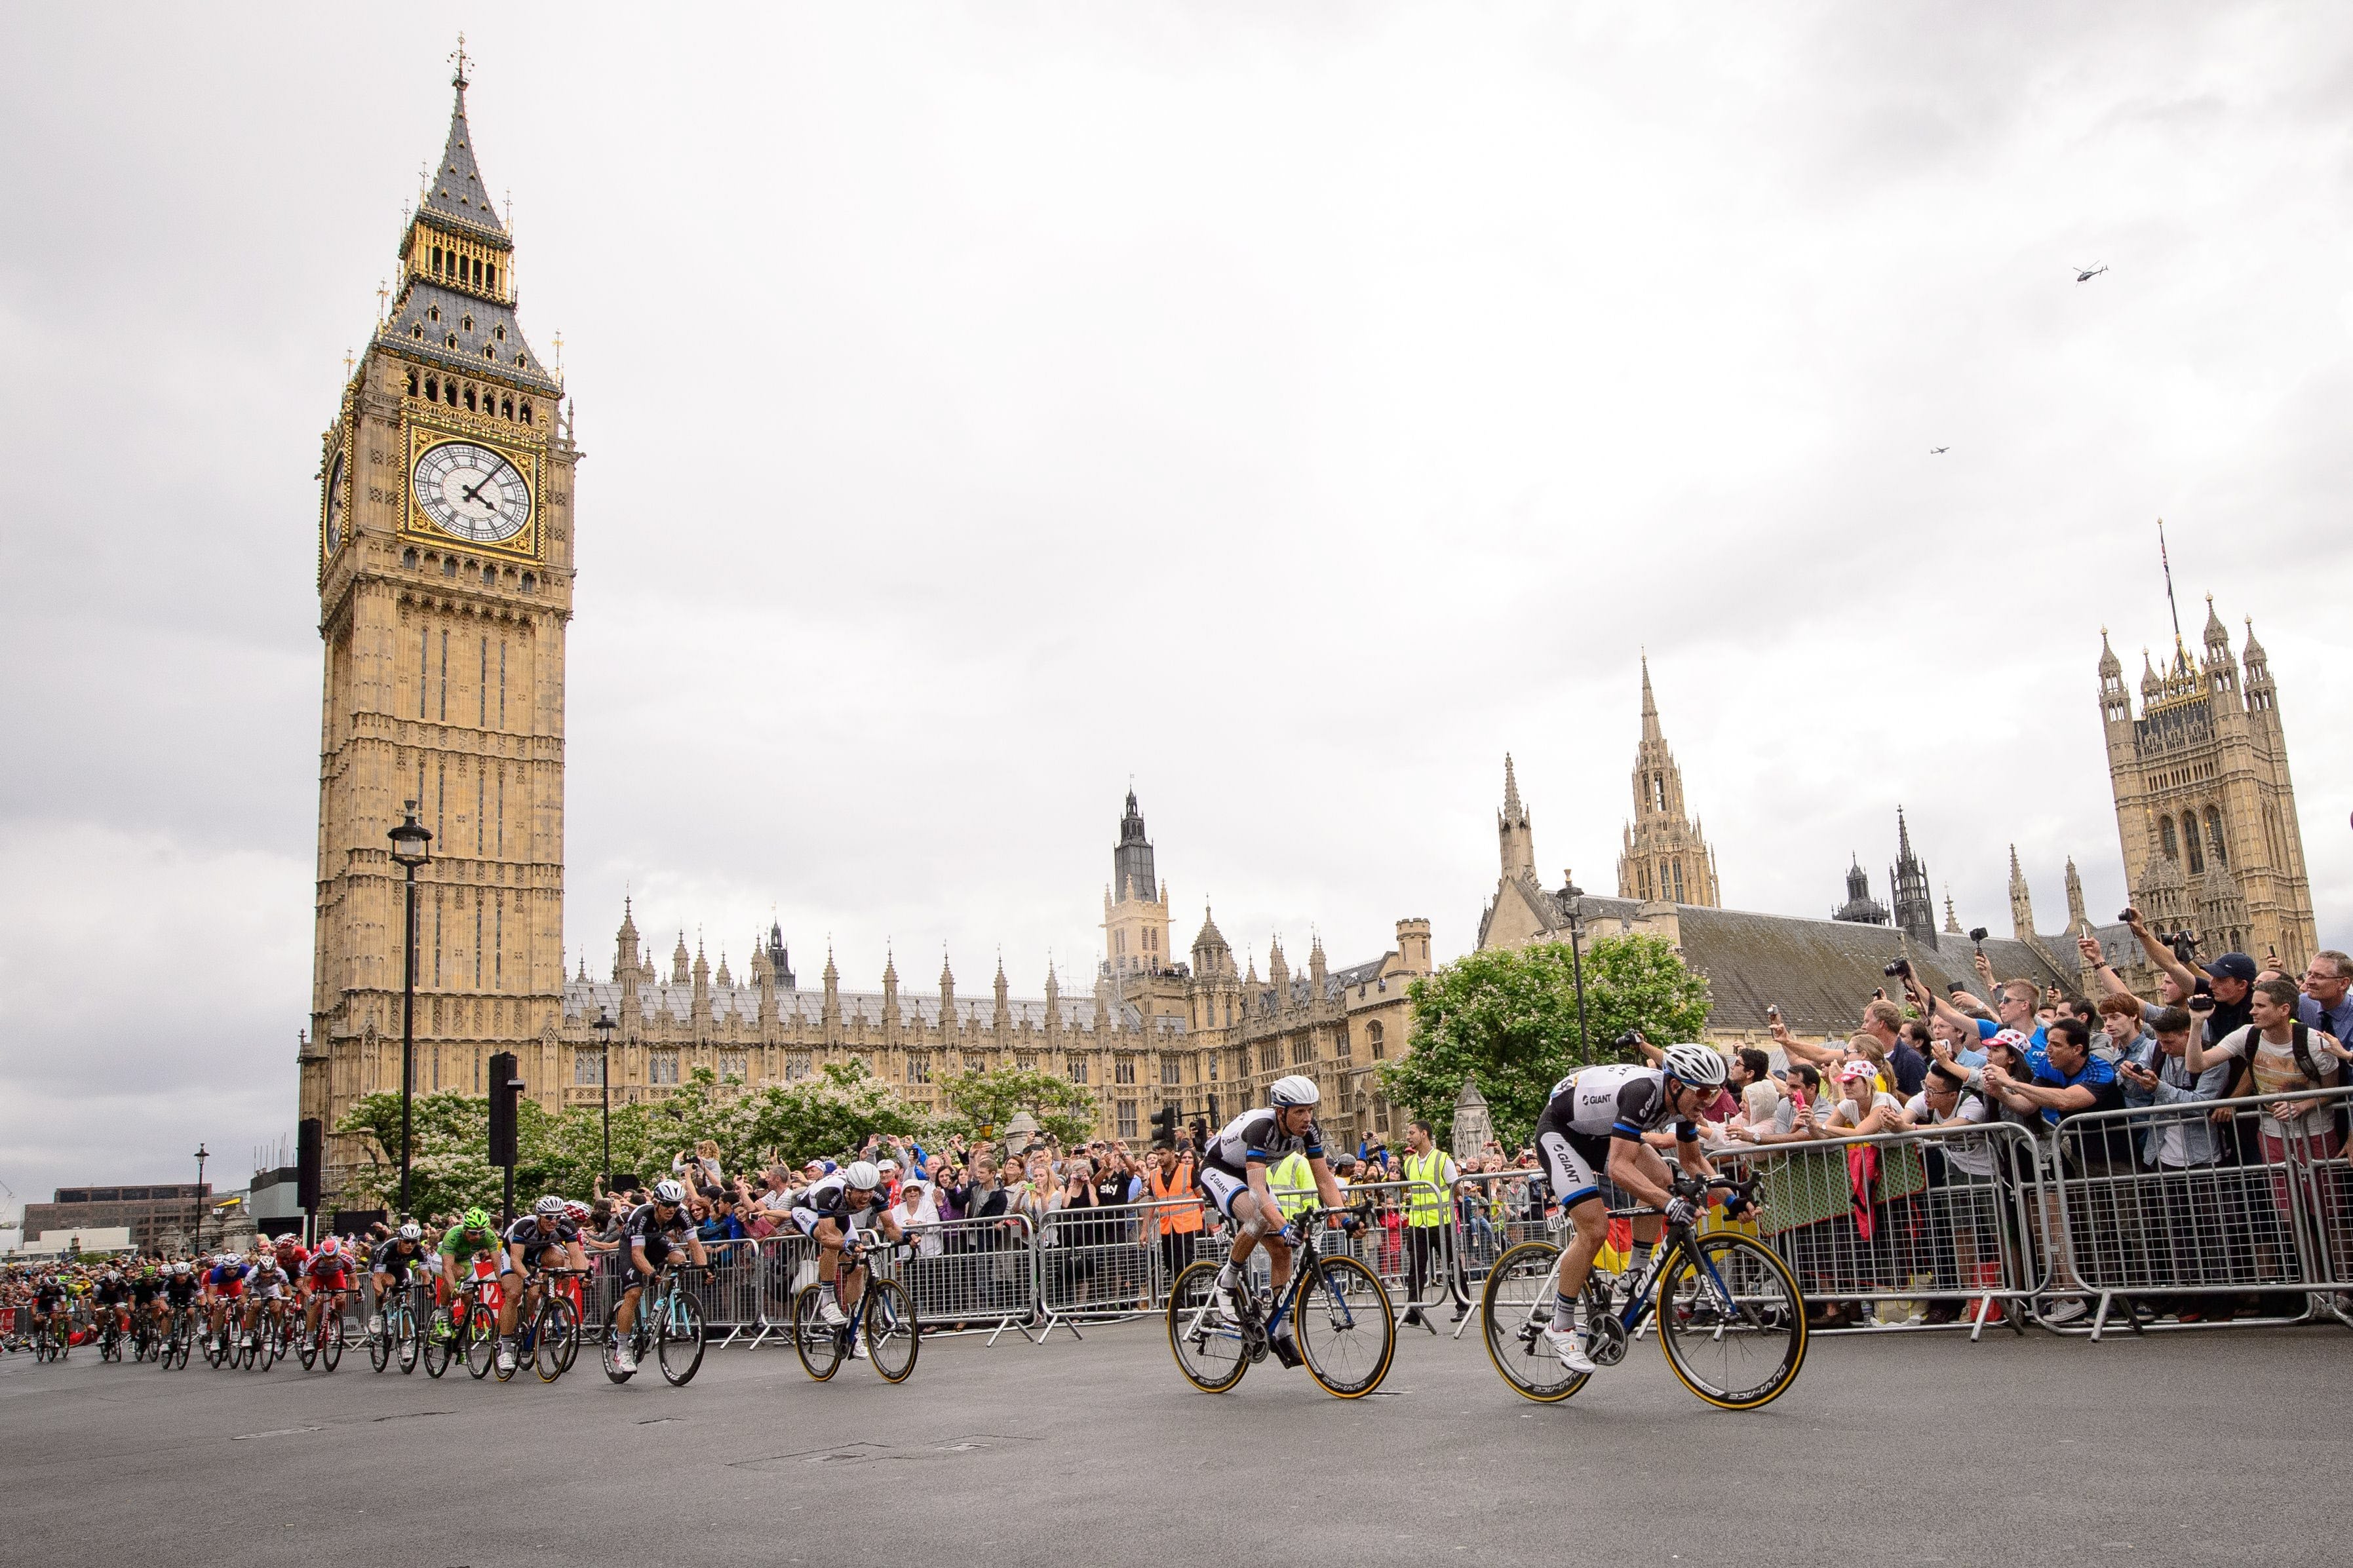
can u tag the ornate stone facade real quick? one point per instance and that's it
(1665, 856)
(1204, 1035)
(2205, 806)
(445, 588)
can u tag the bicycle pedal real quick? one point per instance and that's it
(1286, 1352)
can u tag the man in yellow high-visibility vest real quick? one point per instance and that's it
(1429, 1206)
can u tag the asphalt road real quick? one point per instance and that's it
(2188, 1447)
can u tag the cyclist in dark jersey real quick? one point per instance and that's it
(832, 1211)
(147, 1293)
(655, 1233)
(389, 1265)
(1592, 1128)
(542, 1239)
(1233, 1175)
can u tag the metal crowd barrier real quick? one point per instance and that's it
(969, 1275)
(2198, 1203)
(1096, 1264)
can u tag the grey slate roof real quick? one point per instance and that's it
(412, 330)
(583, 997)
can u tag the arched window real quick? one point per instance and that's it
(1375, 1039)
(432, 389)
(408, 559)
(437, 261)
(412, 383)
(491, 277)
(466, 323)
(506, 407)
(2166, 839)
(449, 569)
(449, 389)
(529, 583)
(2214, 837)
(469, 399)
(526, 410)
(2190, 840)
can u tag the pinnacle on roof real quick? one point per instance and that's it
(2151, 683)
(455, 193)
(2216, 632)
(1650, 704)
(2253, 651)
(2017, 878)
(1210, 937)
(948, 975)
(1512, 810)
(1903, 837)
(2109, 664)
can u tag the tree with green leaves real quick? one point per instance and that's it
(988, 1100)
(1508, 1021)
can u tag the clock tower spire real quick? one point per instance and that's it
(445, 592)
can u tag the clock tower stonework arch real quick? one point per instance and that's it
(445, 587)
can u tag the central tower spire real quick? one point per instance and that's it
(1664, 857)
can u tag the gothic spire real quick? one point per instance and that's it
(457, 193)
(1650, 704)
(1512, 810)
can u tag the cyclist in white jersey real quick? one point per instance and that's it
(1233, 1175)
(1592, 1128)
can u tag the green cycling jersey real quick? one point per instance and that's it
(468, 1245)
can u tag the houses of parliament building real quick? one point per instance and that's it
(444, 545)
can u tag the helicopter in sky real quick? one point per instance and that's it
(2085, 274)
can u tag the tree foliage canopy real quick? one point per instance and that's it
(1507, 1020)
(988, 1100)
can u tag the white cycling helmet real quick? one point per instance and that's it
(551, 1205)
(411, 1232)
(863, 1177)
(669, 1192)
(1700, 1065)
(1297, 1088)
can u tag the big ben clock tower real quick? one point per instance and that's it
(445, 586)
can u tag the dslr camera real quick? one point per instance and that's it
(1900, 969)
(1628, 1041)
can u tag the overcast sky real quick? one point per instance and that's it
(1292, 408)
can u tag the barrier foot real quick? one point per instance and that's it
(1978, 1318)
(2100, 1318)
(1016, 1326)
(1052, 1319)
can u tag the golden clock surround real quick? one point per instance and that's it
(529, 544)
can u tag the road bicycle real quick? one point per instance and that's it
(457, 1327)
(668, 1322)
(179, 1339)
(1342, 1321)
(54, 1339)
(1730, 1318)
(396, 1331)
(548, 1340)
(324, 1344)
(885, 1314)
(109, 1335)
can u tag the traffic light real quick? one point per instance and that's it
(1163, 1125)
(505, 1088)
(309, 1142)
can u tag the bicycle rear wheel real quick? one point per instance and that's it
(1210, 1351)
(1346, 1328)
(814, 1339)
(1732, 1322)
(331, 1336)
(892, 1334)
(679, 1338)
(558, 1330)
(1514, 1311)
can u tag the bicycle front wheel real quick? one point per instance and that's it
(1732, 1322)
(1513, 1312)
(551, 1352)
(1346, 1328)
(440, 1343)
(892, 1336)
(1210, 1351)
(679, 1338)
(613, 1341)
(330, 1338)
(380, 1344)
(478, 1340)
(814, 1339)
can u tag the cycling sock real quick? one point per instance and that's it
(1229, 1278)
(1642, 1257)
(1564, 1313)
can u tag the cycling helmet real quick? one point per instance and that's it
(410, 1232)
(578, 1212)
(669, 1192)
(551, 1205)
(330, 1247)
(477, 1219)
(1699, 1066)
(863, 1177)
(1296, 1090)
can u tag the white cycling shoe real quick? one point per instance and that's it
(506, 1358)
(625, 1359)
(1570, 1345)
(858, 1349)
(1222, 1299)
(376, 1326)
(829, 1313)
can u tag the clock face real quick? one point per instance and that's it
(335, 506)
(472, 492)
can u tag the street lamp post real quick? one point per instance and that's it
(605, 1076)
(196, 1232)
(410, 848)
(1573, 897)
